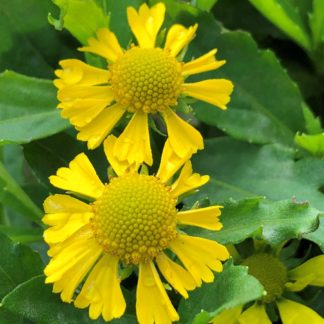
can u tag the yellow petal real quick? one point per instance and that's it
(133, 145)
(178, 37)
(308, 273)
(120, 167)
(296, 313)
(106, 45)
(152, 302)
(228, 316)
(201, 64)
(184, 139)
(199, 256)
(76, 72)
(81, 112)
(80, 177)
(201, 217)
(179, 278)
(170, 162)
(214, 91)
(98, 129)
(146, 23)
(255, 314)
(188, 181)
(102, 291)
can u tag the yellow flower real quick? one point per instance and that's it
(130, 221)
(141, 81)
(275, 278)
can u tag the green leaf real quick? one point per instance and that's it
(46, 307)
(313, 124)
(311, 143)
(316, 22)
(206, 5)
(82, 18)
(239, 170)
(286, 17)
(273, 222)
(18, 263)
(21, 234)
(8, 317)
(266, 106)
(27, 109)
(317, 236)
(12, 195)
(232, 287)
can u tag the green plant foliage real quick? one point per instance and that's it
(27, 109)
(233, 287)
(316, 22)
(311, 143)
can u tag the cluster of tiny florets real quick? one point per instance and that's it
(135, 218)
(146, 79)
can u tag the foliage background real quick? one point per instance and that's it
(264, 154)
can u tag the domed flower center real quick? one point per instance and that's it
(270, 271)
(146, 79)
(135, 218)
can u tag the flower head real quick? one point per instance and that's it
(132, 220)
(277, 279)
(142, 81)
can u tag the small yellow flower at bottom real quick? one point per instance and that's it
(132, 220)
(143, 81)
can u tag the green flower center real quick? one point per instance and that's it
(135, 218)
(270, 271)
(146, 80)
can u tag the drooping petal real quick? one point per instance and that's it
(199, 256)
(80, 177)
(308, 273)
(76, 72)
(179, 37)
(228, 316)
(296, 313)
(184, 139)
(152, 302)
(133, 145)
(188, 181)
(256, 314)
(179, 278)
(98, 129)
(204, 63)
(146, 23)
(214, 91)
(120, 167)
(102, 291)
(202, 217)
(170, 162)
(106, 45)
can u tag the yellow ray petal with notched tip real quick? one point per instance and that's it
(152, 302)
(178, 38)
(80, 177)
(188, 181)
(199, 256)
(256, 314)
(228, 316)
(204, 63)
(106, 45)
(179, 278)
(146, 23)
(202, 217)
(133, 145)
(102, 292)
(184, 139)
(214, 91)
(97, 130)
(296, 313)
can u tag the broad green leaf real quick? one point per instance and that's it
(313, 124)
(316, 22)
(82, 18)
(232, 287)
(27, 109)
(206, 5)
(13, 196)
(21, 234)
(8, 317)
(35, 301)
(286, 17)
(18, 263)
(273, 222)
(317, 236)
(239, 170)
(311, 143)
